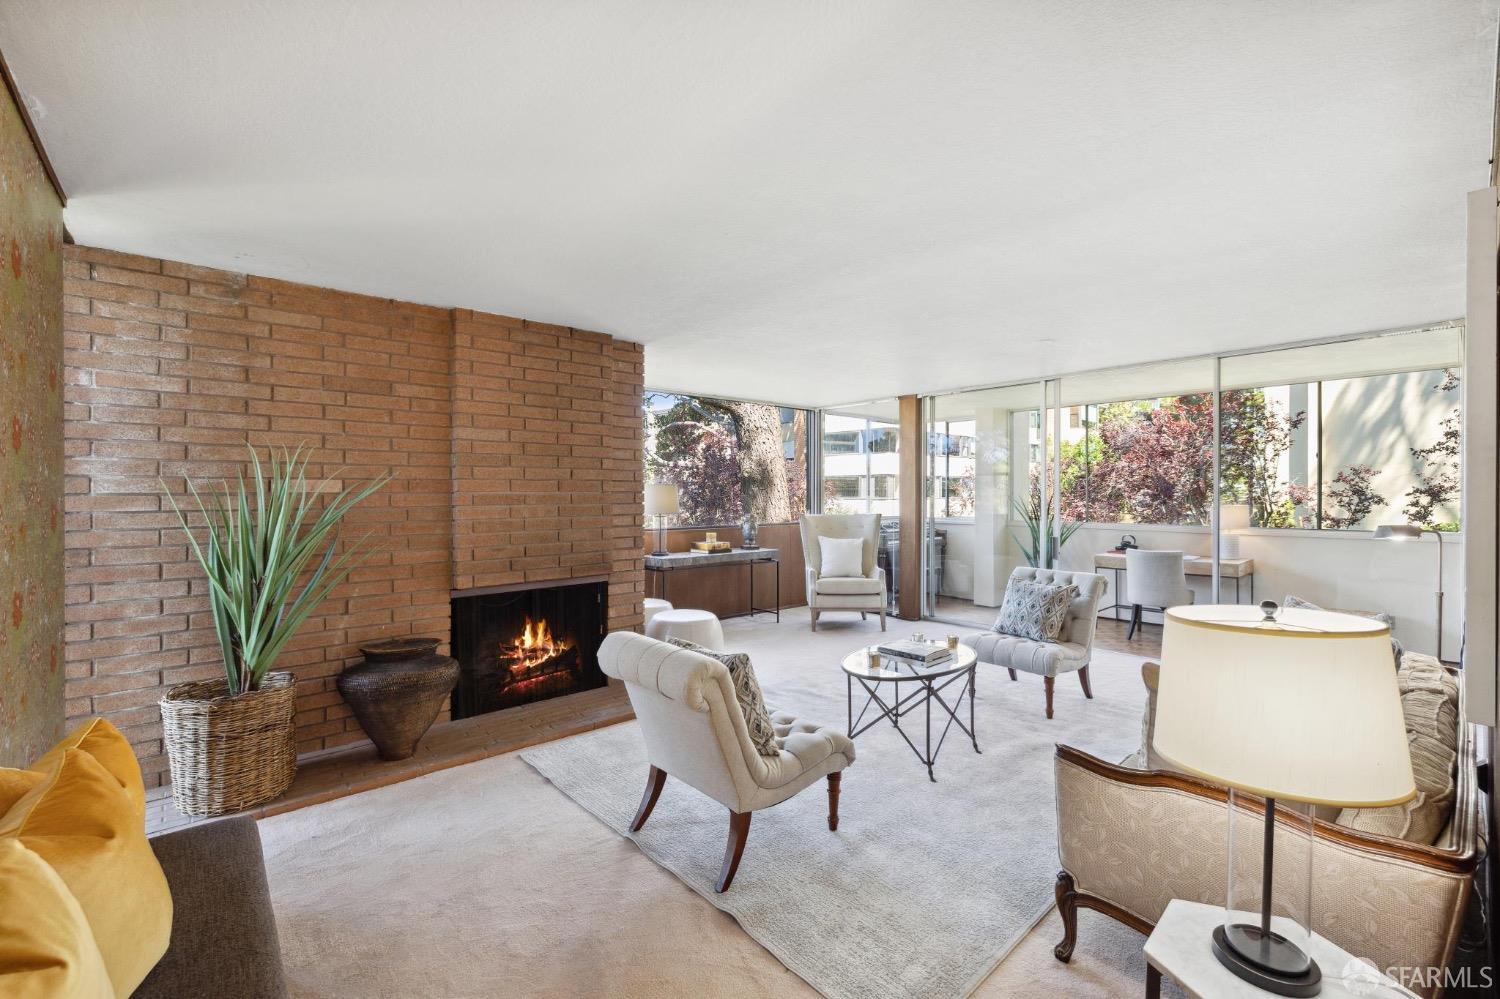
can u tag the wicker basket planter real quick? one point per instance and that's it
(229, 753)
(397, 692)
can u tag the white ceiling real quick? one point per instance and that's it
(802, 202)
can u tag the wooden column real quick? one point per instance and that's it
(909, 606)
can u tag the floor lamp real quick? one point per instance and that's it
(1411, 532)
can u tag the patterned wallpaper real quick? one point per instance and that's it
(31, 452)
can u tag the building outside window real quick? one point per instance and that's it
(861, 460)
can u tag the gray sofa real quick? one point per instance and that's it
(223, 930)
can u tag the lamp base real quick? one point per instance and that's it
(1272, 963)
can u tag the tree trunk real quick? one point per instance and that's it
(763, 485)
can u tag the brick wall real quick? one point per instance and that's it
(170, 368)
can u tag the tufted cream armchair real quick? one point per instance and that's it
(863, 593)
(694, 730)
(1074, 646)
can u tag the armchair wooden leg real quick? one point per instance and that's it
(1067, 908)
(1012, 673)
(1135, 621)
(1048, 682)
(739, 831)
(882, 618)
(834, 779)
(862, 615)
(1083, 678)
(654, 781)
(815, 620)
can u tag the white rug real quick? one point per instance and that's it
(925, 887)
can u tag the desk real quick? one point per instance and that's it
(1194, 565)
(665, 565)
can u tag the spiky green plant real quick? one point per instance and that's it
(1030, 514)
(257, 544)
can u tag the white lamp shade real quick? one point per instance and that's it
(1303, 709)
(661, 499)
(1234, 517)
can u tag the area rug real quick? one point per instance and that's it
(926, 886)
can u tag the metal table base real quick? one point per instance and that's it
(927, 691)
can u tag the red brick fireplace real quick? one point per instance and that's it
(516, 447)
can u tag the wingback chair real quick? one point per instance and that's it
(1075, 643)
(695, 731)
(1154, 580)
(863, 593)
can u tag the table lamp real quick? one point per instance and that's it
(1283, 704)
(661, 501)
(1233, 518)
(1411, 532)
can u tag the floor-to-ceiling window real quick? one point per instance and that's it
(1316, 447)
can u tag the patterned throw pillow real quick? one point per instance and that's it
(1035, 610)
(746, 691)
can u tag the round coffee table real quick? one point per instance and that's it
(914, 686)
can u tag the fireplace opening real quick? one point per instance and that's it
(522, 646)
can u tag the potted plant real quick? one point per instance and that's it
(268, 551)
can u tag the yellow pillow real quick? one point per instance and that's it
(46, 946)
(84, 823)
(101, 740)
(14, 784)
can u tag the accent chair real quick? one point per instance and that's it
(864, 593)
(1075, 643)
(695, 731)
(1154, 580)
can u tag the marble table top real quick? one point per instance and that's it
(1181, 948)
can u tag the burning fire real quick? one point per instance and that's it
(535, 646)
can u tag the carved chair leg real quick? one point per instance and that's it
(1048, 682)
(1067, 908)
(1083, 678)
(654, 781)
(739, 831)
(834, 780)
(1012, 674)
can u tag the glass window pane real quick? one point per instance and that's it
(700, 444)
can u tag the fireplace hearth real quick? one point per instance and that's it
(519, 646)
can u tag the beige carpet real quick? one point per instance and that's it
(485, 880)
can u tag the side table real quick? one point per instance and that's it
(1180, 948)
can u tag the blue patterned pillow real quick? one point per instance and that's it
(1036, 611)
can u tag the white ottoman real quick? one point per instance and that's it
(698, 626)
(655, 606)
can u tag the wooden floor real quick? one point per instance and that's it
(450, 744)
(1109, 634)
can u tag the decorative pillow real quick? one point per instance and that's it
(842, 556)
(1036, 611)
(46, 946)
(1429, 701)
(746, 692)
(1381, 616)
(86, 824)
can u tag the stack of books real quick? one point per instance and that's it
(921, 653)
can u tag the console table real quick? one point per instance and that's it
(1194, 565)
(665, 565)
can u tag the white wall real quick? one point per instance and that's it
(1336, 569)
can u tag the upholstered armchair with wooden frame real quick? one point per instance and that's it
(864, 593)
(1132, 840)
(695, 731)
